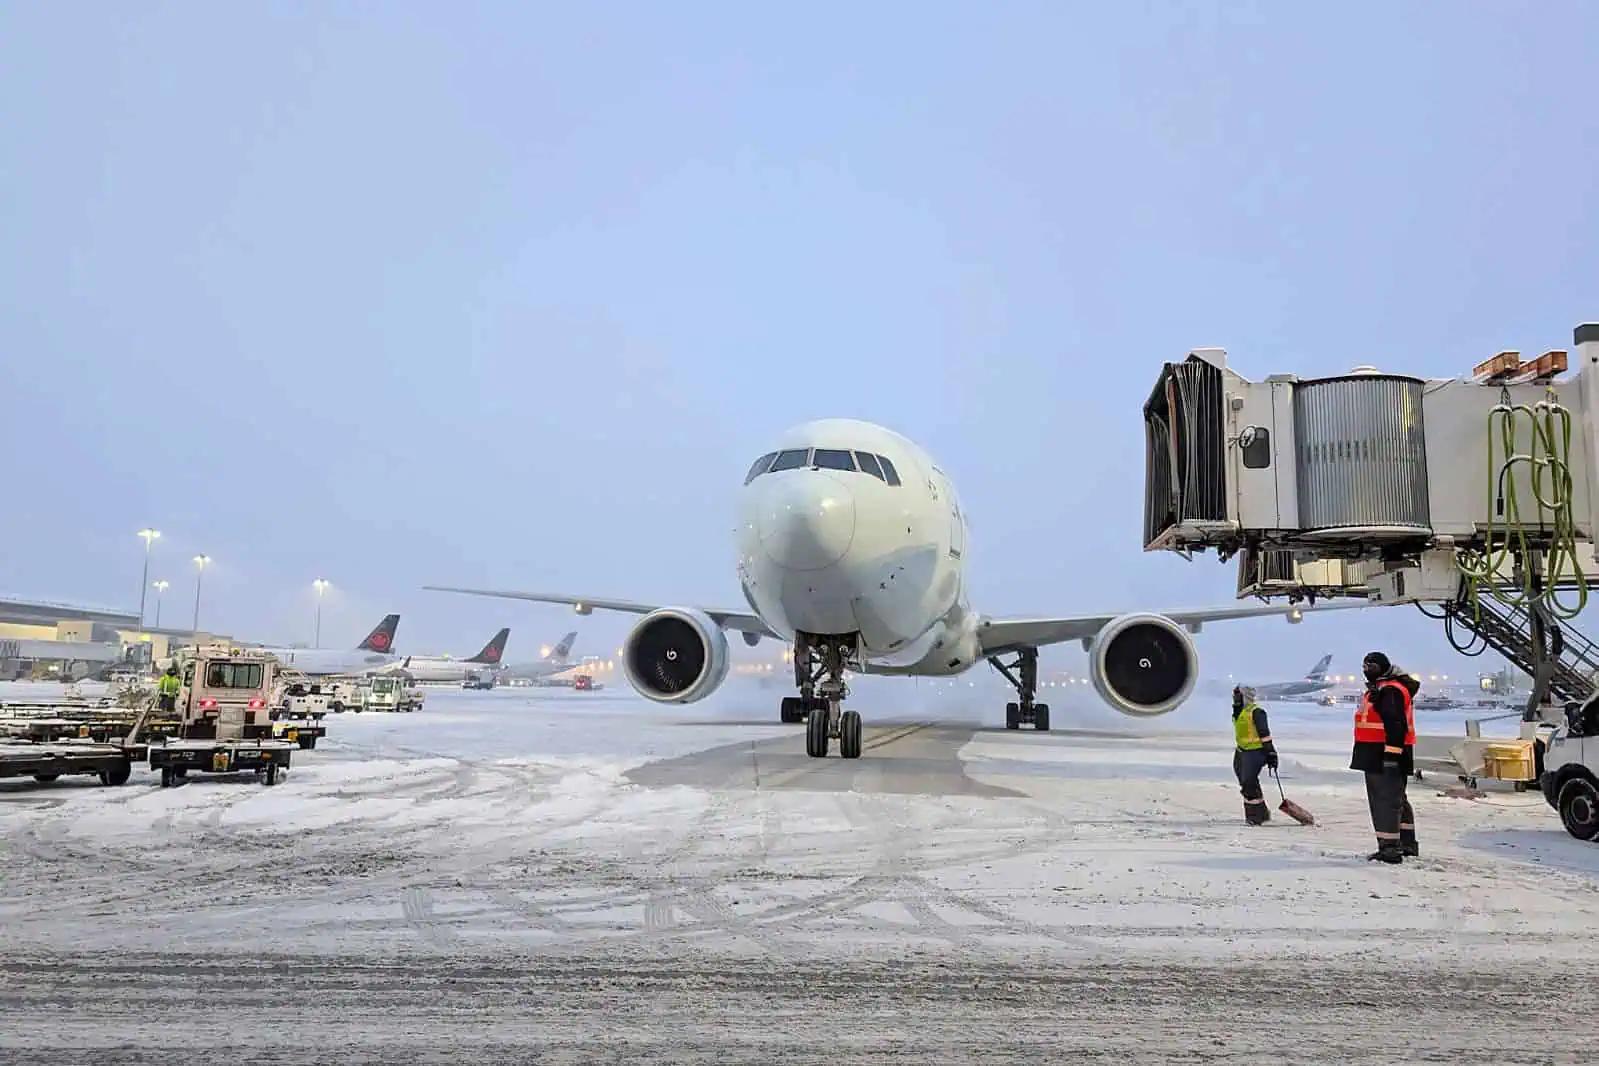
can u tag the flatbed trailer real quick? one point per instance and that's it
(45, 762)
(305, 731)
(177, 758)
(108, 730)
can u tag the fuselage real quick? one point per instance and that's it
(849, 528)
(320, 662)
(436, 668)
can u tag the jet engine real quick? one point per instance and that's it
(1143, 664)
(675, 655)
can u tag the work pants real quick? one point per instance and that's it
(1391, 817)
(1247, 767)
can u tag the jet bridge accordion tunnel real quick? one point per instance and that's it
(1380, 484)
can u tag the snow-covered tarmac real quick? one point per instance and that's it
(541, 875)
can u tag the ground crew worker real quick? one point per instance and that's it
(1385, 750)
(1255, 753)
(167, 689)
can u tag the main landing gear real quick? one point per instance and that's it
(1022, 672)
(819, 664)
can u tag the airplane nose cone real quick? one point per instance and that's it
(806, 519)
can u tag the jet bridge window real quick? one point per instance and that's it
(763, 464)
(833, 459)
(793, 459)
(869, 464)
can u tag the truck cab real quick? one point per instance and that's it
(1570, 778)
(226, 694)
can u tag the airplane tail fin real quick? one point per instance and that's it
(559, 653)
(1319, 671)
(493, 651)
(381, 639)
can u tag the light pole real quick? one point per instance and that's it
(200, 562)
(321, 585)
(149, 535)
(160, 587)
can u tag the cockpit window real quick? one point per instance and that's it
(833, 459)
(762, 464)
(869, 464)
(889, 473)
(792, 459)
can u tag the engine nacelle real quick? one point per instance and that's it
(675, 655)
(1143, 664)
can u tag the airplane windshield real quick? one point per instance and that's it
(763, 464)
(833, 459)
(792, 459)
(869, 464)
(824, 459)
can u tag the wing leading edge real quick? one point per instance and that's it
(1001, 635)
(735, 620)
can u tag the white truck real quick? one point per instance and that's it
(1570, 778)
(392, 694)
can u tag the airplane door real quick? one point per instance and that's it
(957, 522)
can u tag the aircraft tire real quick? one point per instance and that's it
(1013, 716)
(816, 735)
(849, 735)
(1041, 717)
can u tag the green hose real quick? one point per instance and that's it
(1548, 465)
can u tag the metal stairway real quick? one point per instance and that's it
(1568, 659)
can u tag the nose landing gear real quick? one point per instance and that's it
(819, 665)
(1022, 673)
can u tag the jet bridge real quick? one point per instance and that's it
(1473, 498)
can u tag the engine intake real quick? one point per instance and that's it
(1143, 664)
(675, 655)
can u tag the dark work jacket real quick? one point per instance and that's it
(1391, 707)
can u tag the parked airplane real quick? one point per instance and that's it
(1312, 683)
(444, 668)
(374, 653)
(556, 661)
(852, 546)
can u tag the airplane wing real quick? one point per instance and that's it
(1001, 635)
(739, 621)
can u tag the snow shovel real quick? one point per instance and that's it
(1289, 807)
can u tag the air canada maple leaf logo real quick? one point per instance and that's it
(379, 641)
(492, 655)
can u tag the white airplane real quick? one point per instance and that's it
(556, 661)
(1312, 684)
(852, 547)
(372, 654)
(444, 668)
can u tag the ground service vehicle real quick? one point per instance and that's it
(1570, 778)
(392, 694)
(224, 721)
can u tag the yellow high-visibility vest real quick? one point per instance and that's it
(1244, 729)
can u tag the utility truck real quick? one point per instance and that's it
(1570, 778)
(224, 718)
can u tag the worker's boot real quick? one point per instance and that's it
(1387, 851)
(1407, 844)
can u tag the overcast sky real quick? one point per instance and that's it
(512, 295)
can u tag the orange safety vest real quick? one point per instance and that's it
(1368, 723)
